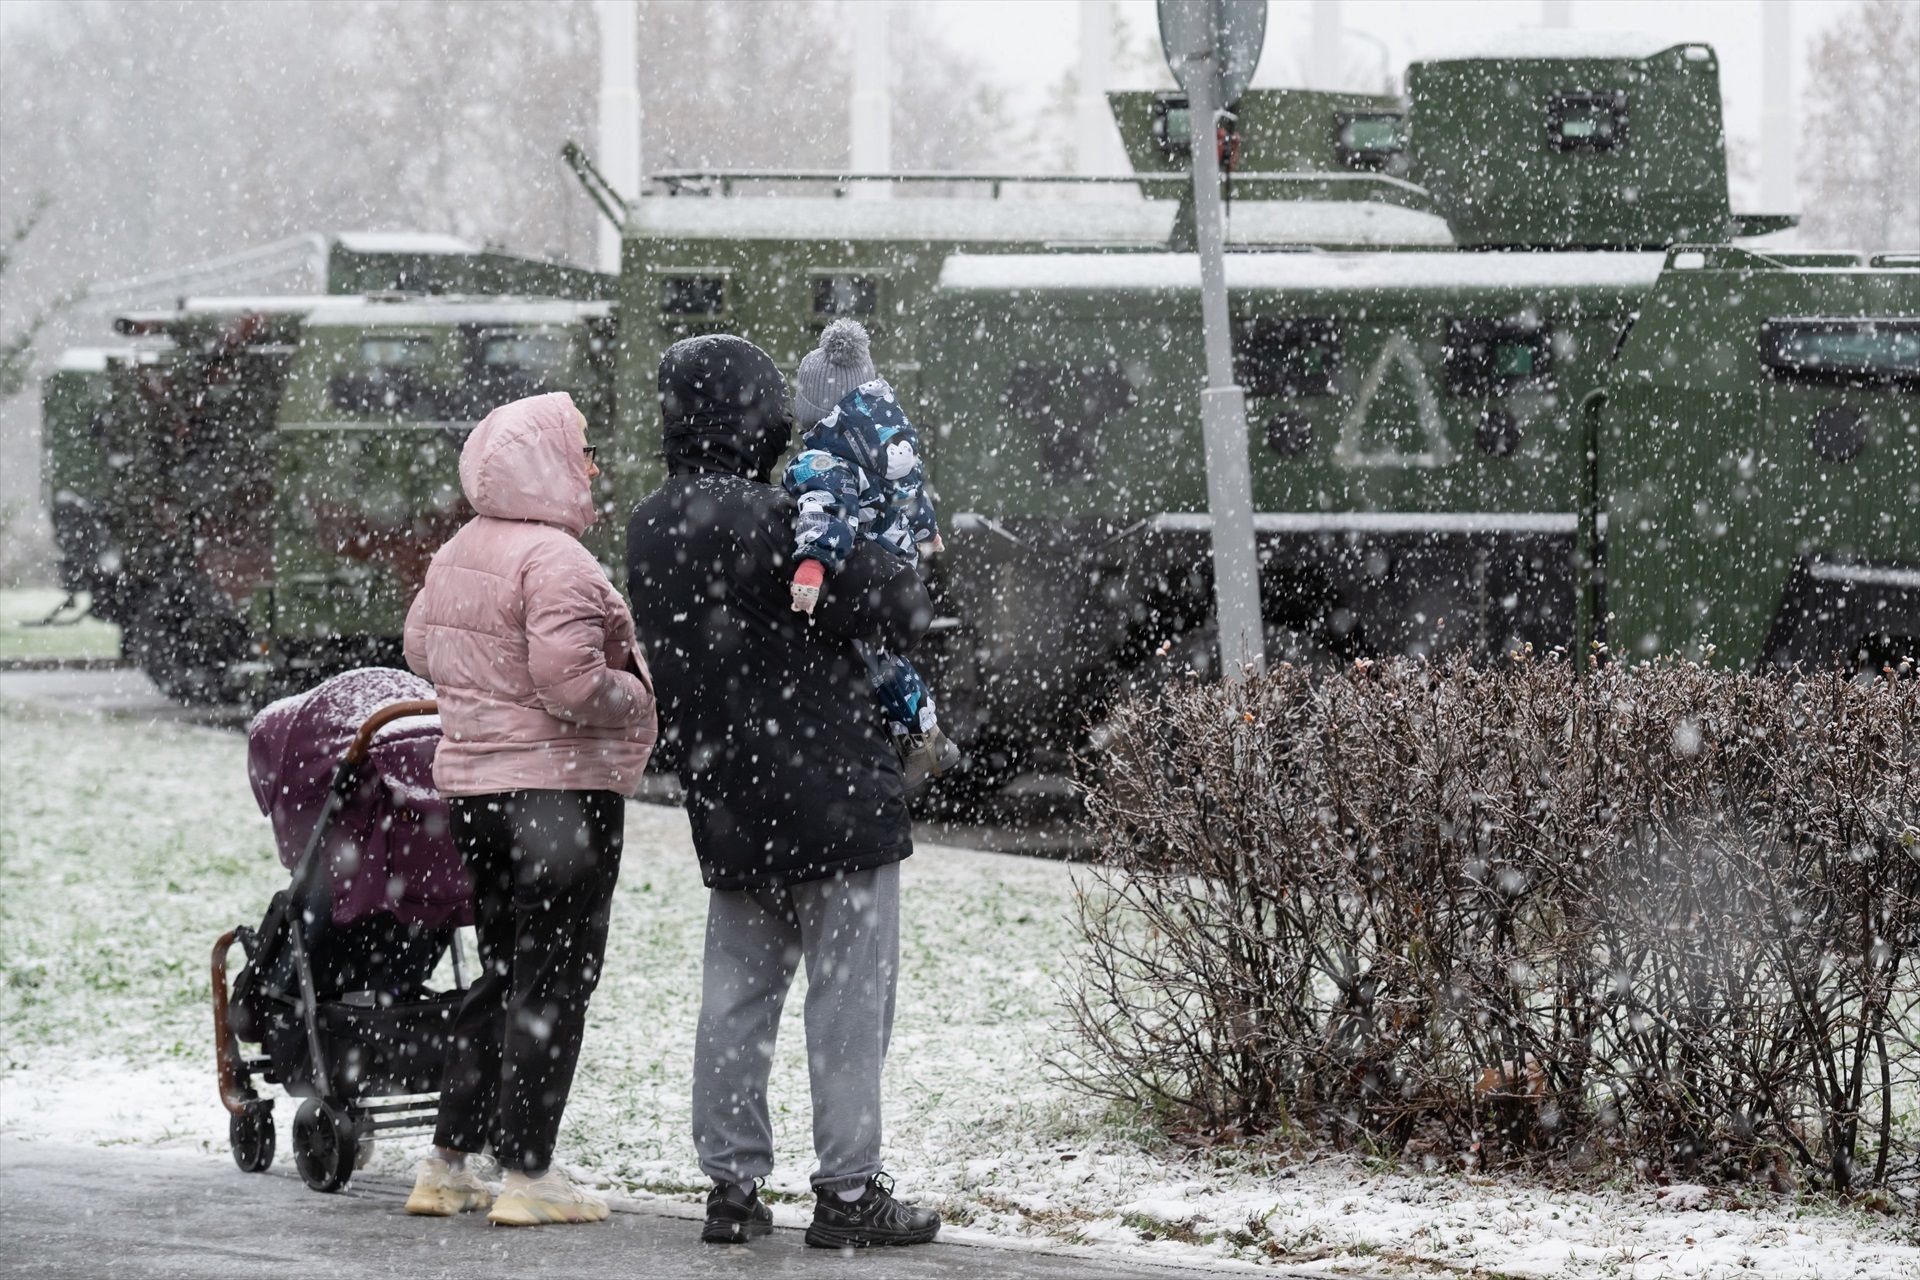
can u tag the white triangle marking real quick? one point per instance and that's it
(1438, 453)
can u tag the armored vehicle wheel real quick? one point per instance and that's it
(250, 1131)
(324, 1145)
(186, 637)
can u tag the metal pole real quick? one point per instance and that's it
(619, 113)
(870, 105)
(1778, 181)
(1093, 123)
(1325, 63)
(1223, 406)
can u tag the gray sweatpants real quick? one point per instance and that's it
(847, 928)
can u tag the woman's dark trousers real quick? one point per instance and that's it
(544, 865)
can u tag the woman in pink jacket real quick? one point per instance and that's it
(547, 713)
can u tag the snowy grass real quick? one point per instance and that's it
(22, 606)
(126, 848)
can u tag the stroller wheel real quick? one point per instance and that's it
(250, 1132)
(324, 1145)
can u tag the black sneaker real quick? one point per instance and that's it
(735, 1214)
(875, 1218)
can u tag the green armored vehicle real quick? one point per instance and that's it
(163, 467)
(75, 475)
(378, 400)
(335, 496)
(319, 469)
(1509, 382)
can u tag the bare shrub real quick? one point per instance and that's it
(1660, 912)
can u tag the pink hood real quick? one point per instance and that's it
(530, 649)
(523, 462)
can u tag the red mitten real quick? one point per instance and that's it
(806, 585)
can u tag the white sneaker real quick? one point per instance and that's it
(550, 1198)
(441, 1191)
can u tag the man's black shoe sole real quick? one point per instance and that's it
(820, 1237)
(734, 1232)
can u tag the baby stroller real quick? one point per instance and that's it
(334, 985)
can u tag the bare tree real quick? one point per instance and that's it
(1137, 60)
(16, 349)
(767, 86)
(1861, 147)
(464, 112)
(238, 123)
(233, 123)
(171, 131)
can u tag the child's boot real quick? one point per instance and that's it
(928, 755)
(805, 588)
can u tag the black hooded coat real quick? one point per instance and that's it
(768, 716)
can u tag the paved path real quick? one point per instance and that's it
(119, 691)
(71, 1212)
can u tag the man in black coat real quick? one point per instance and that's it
(793, 786)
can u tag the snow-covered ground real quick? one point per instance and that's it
(22, 638)
(126, 848)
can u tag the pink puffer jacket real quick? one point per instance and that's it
(526, 642)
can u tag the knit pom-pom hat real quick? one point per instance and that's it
(840, 363)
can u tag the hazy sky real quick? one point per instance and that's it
(1029, 43)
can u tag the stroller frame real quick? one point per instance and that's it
(338, 1115)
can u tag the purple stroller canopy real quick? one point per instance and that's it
(389, 848)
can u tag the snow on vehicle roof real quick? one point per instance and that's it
(1548, 43)
(1101, 272)
(1425, 522)
(1333, 222)
(355, 309)
(1135, 222)
(403, 242)
(460, 310)
(91, 359)
(232, 304)
(929, 218)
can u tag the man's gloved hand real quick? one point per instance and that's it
(806, 586)
(931, 547)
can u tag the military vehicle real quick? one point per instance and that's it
(1510, 381)
(74, 472)
(167, 486)
(285, 467)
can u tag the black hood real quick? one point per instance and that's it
(723, 406)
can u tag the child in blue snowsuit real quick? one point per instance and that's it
(858, 475)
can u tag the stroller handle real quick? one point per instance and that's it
(380, 720)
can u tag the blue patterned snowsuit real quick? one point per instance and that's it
(858, 475)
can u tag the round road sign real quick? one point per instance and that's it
(1233, 30)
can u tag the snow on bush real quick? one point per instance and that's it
(1660, 913)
